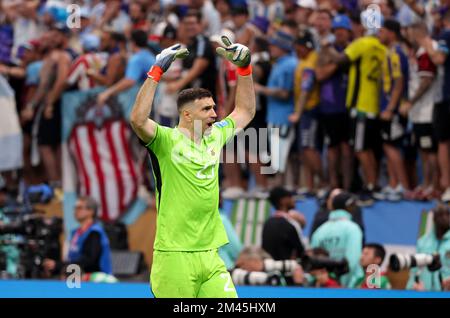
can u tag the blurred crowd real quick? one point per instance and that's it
(356, 91)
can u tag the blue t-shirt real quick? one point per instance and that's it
(281, 76)
(32, 73)
(138, 65)
(333, 91)
(444, 46)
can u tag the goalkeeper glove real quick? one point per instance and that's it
(164, 59)
(237, 54)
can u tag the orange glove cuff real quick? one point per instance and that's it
(155, 72)
(244, 71)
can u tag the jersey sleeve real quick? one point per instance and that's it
(225, 129)
(355, 50)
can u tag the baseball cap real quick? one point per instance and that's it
(343, 200)
(277, 193)
(261, 23)
(282, 40)
(305, 38)
(341, 21)
(307, 4)
(90, 42)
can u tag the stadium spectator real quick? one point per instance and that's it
(306, 98)
(334, 117)
(424, 88)
(342, 237)
(393, 126)
(304, 10)
(89, 62)
(437, 240)
(166, 111)
(280, 100)
(210, 16)
(136, 70)
(282, 234)
(272, 10)
(373, 254)
(89, 244)
(199, 68)
(441, 116)
(46, 102)
(109, 15)
(366, 56)
(114, 46)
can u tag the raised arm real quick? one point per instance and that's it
(143, 126)
(245, 107)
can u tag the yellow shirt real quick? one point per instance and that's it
(305, 79)
(391, 69)
(364, 84)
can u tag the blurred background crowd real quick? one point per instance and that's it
(356, 91)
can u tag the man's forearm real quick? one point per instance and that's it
(275, 92)
(300, 105)
(199, 66)
(396, 94)
(143, 104)
(120, 86)
(337, 57)
(245, 95)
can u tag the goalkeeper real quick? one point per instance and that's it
(185, 162)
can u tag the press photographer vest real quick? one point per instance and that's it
(76, 247)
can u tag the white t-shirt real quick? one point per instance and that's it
(422, 66)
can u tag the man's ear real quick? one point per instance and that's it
(187, 115)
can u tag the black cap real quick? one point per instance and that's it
(276, 194)
(343, 200)
(393, 26)
(305, 38)
(169, 32)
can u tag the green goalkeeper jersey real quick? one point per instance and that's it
(187, 188)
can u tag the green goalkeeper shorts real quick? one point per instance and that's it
(190, 275)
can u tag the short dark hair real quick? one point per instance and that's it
(193, 13)
(379, 250)
(139, 38)
(90, 202)
(190, 94)
(118, 37)
(320, 251)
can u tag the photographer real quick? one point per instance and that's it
(254, 266)
(282, 233)
(372, 254)
(9, 253)
(320, 274)
(342, 237)
(89, 244)
(436, 241)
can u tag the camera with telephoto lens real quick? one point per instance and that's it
(337, 267)
(398, 262)
(36, 236)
